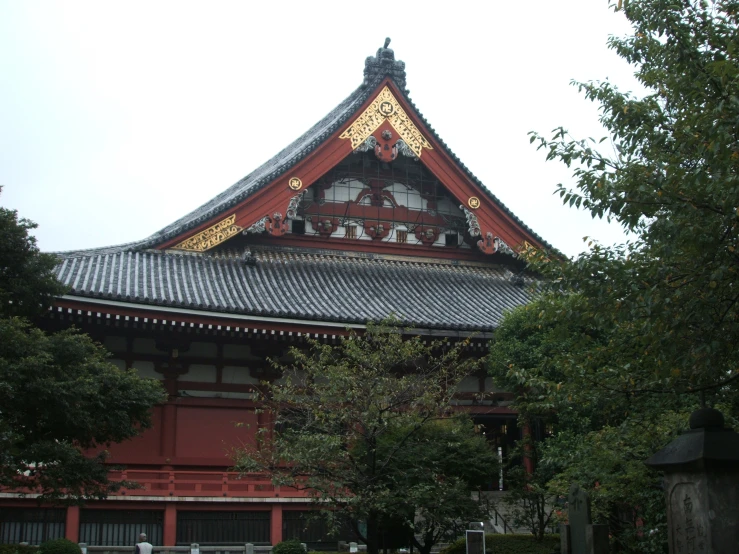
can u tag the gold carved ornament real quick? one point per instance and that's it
(212, 236)
(473, 202)
(295, 183)
(386, 107)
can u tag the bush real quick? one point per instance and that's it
(509, 544)
(59, 546)
(292, 546)
(17, 549)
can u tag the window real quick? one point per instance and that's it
(351, 231)
(120, 527)
(451, 239)
(32, 525)
(223, 527)
(401, 236)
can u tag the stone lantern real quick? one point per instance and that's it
(702, 486)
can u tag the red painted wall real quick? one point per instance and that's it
(199, 435)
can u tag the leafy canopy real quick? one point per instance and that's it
(629, 335)
(59, 393)
(669, 176)
(359, 426)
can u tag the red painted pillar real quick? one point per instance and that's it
(275, 535)
(170, 524)
(72, 527)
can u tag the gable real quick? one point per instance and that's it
(386, 128)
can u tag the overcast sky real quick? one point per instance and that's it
(116, 118)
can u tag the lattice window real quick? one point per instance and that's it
(31, 525)
(120, 527)
(374, 200)
(213, 528)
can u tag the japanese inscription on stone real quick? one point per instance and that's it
(579, 516)
(688, 527)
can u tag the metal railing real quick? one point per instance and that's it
(500, 518)
(192, 549)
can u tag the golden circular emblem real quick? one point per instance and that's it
(473, 202)
(295, 183)
(386, 108)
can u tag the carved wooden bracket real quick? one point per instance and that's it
(276, 225)
(488, 244)
(324, 226)
(377, 230)
(385, 148)
(427, 235)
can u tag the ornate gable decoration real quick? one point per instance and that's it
(386, 108)
(212, 236)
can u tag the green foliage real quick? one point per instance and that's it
(27, 281)
(437, 468)
(510, 544)
(17, 549)
(292, 546)
(59, 393)
(59, 546)
(356, 426)
(669, 175)
(627, 337)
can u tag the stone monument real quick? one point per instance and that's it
(580, 536)
(702, 486)
(475, 541)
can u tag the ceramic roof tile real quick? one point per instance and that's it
(299, 285)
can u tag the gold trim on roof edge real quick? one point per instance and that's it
(386, 107)
(212, 236)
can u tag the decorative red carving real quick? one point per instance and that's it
(377, 229)
(324, 225)
(487, 245)
(427, 235)
(377, 194)
(276, 225)
(385, 149)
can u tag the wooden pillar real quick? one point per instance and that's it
(72, 526)
(275, 535)
(170, 524)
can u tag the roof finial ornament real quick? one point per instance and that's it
(382, 64)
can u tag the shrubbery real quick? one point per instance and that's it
(292, 546)
(17, 549)
(59, 546)
(510, 544)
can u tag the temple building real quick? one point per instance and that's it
(367, 215)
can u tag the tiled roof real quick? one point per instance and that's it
(303, 285)
(376, 69)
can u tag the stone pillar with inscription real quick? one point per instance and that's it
(702, 486)
(580, 536)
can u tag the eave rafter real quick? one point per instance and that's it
(269, 209)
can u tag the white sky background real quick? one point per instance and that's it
(118, 118)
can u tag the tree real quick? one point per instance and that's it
(356, 425)
(599, 439)
(670, 178)
(59, 394)
(637, 331)
(439, 468)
